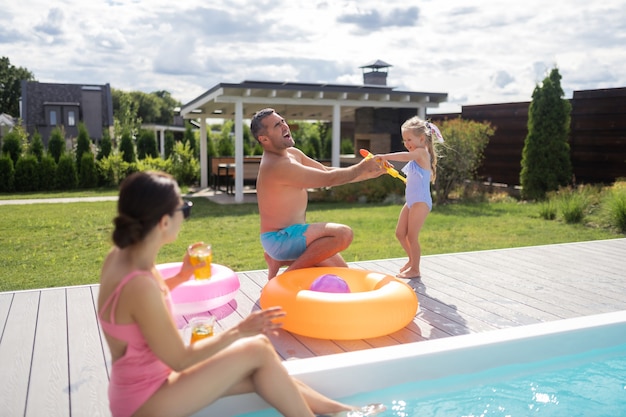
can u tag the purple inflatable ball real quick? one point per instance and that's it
(330, 283)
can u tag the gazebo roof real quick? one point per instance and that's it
(303, 101)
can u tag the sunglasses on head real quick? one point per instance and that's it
(186, 208)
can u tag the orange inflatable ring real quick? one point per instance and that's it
(377, 304)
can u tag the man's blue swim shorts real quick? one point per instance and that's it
(286, 244)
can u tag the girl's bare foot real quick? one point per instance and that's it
(405, 267)
(409, 274)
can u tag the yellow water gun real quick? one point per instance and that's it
(385, 164)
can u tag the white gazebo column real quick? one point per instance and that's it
(204, 166)
(336, 142)
(162, 141)
(238, 151)
(421, 112)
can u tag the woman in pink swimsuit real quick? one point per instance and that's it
(153, 371)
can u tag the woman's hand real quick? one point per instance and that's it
(261, 321)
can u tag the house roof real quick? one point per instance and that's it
(303, 101)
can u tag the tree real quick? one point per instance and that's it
(36, 146)
(146, 145)
(12, 145)
(11, 86)
(83, 144)
(56, 144)
(106, 146)
(127, 148)
(546, 163)
(461, 154)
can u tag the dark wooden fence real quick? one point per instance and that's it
(597, 136)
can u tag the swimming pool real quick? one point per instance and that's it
(349, 374)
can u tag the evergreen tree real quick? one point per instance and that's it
(36, 146)
(106, 146)
(546, 162)
(83, 144)
(127, 147)
(146, 145)
(56, 144)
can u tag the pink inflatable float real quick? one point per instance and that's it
(195, 296)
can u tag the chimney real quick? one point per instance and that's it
(375, 73)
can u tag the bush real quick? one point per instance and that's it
(111, 170)
(88, 176)
(36, 146)
(127, 149)
(106, 146)
(47, 173)
(146, 145)
(67, 177)
(155, 164)
(573, 204)
(461, 154)
(83, 144)
(12, 146)
(185, 167)
(7, 174)
(27, 173)
(169, 143)
(547, 210)
(616, 206)
(56, 144)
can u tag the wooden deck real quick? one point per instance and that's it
(54, 361)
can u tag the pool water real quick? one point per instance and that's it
(587, 384)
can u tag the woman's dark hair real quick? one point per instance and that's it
(145, 197)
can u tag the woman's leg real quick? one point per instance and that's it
(249, 365)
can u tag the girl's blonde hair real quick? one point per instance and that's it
(422, 127)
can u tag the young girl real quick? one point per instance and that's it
(421, 170)
(153, 371)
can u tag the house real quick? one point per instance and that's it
(44, 106)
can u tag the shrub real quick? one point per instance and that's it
(27, 173)
(67, 177)
(616, 206)
(169, 143)
(47, 173)
(7, 174)
(461, 154)
(547, 210)
(56, 144)
(573, 205)
(146, 145)
(185, 167)
(155, 164)
(12, 146)
(111, 170)
(127, 149)
(546, 163)
(36, 146)
(88, 175)
(106, 146)
(83, 144)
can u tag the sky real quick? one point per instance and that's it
(478, 52)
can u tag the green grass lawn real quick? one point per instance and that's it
(50, 245)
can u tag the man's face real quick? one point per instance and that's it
(277, 131)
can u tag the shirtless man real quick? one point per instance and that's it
(285, 174)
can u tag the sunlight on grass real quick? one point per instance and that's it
(51, 245)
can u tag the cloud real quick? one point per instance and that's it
(53, 24)
(501, 79)
(373, 20)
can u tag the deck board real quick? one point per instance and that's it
(54, 360)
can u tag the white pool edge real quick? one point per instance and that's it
(345, 374)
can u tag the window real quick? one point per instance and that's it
(71, 118)
(53, 118)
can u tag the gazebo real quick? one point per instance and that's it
(295, 101)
